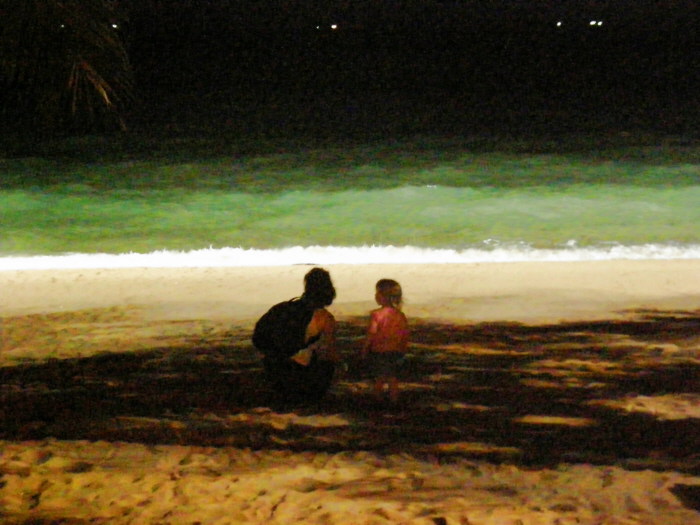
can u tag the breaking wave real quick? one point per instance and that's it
(328, 255)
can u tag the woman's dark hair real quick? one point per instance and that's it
(318, 288)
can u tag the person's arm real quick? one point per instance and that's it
(404, 334)
(371, 331)
(325, 326)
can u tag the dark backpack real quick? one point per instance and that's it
(281, 331)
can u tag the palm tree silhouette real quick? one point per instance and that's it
(63, 65)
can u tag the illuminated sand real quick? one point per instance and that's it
(519, 292)
(538, 393)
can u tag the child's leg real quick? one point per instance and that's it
(379, 387)
(393, 389)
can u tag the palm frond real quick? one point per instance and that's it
(63, 64)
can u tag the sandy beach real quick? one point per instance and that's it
(538, 393)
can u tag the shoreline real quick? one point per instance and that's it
(361, 255)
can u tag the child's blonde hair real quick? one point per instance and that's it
(391, 291)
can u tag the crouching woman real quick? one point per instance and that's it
(297, 339)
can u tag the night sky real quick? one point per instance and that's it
(454, 64)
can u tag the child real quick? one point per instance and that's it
(387, 338)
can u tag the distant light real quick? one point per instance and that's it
(334, 26)
(600, 22)
(115, 26)
(593, 22)
(560, 23)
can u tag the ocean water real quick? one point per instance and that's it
(429, 223)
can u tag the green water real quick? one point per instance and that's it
(435, 194)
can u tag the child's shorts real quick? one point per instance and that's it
(385, 364)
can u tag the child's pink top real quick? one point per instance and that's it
(388, 330)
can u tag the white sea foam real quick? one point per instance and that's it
(327, 255)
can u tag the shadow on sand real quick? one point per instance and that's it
(531, 395)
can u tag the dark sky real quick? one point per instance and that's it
(298, 14)
(502, 55)
(243, 31)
